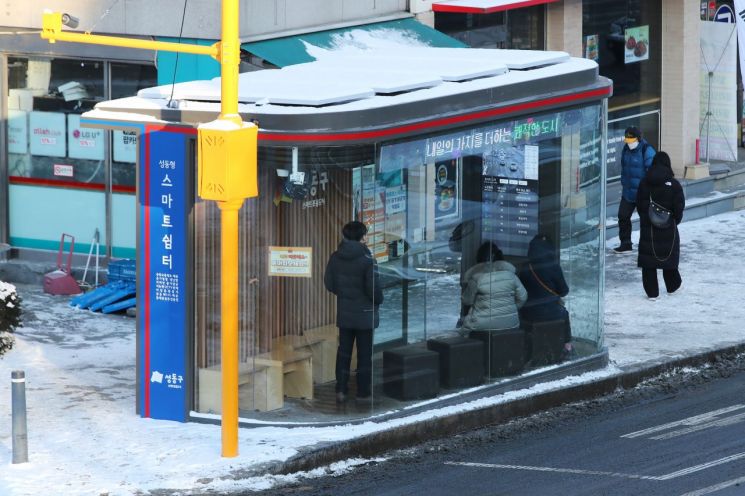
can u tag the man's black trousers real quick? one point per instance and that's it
(364, 338)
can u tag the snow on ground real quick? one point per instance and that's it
(706, 313)
(85, 437)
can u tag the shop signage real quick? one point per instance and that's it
(163, 296)
(84, 143)
(636, 44)
(17, 132)
(591, 47)
(125, 146)
(47, 134)
(724, 14)
(290, 261)
(63, 170)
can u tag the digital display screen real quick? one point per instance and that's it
(510, 198)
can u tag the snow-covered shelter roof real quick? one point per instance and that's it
(367, 90)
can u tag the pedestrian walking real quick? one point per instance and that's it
(661, 202)
(636, 159)
(352, 275)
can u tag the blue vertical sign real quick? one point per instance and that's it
(162, 247)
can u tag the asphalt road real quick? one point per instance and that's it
(677, 435)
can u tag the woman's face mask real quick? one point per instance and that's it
(633, 145)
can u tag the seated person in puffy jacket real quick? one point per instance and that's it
(492, 291)
(544, 281)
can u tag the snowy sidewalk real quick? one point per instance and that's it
(85, 437)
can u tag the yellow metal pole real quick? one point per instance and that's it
(229, 60)
(229, 326)
(163, 46)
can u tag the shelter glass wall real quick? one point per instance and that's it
(450, 219)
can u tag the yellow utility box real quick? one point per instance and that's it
(227, 160)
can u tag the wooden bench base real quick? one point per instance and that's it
(321, 347)
(259, 387)
(297, 371)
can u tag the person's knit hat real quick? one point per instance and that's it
(632, 133)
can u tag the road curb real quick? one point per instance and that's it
(377, 443)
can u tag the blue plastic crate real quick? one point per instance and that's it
(123, 270)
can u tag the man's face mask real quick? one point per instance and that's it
(633, 145)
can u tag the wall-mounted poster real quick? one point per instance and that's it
(84, 142)
(637, 44)
(125, 146)
(591, 47)
(47, 134)
(17, 131)
(293, 261)
(446, 189)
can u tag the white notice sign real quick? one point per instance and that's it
(84, 142)
(290, 261)
(531, 162)
(125, 146)
(17, 132)
(47, 134)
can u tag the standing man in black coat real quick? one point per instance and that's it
(660, 248)
(352, 275)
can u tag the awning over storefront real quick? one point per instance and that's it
(484, 6)
(298, 49)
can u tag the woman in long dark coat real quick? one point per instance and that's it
(659, 248)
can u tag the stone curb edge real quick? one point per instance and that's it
(376, 443)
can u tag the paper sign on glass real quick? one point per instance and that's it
(287, 261)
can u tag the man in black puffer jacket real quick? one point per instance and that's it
(352, 275)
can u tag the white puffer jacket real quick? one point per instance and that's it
(495, 294)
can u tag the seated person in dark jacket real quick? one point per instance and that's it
(352, 275)
(544, 280)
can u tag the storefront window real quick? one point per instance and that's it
(57, 168)
(45, 101)
(516, 29)
(454, 222)
(625, 38)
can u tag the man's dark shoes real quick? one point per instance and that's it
(623, 249)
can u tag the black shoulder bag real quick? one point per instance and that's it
(659, 216)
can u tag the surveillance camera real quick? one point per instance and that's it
(70, 21)
(283, 172)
